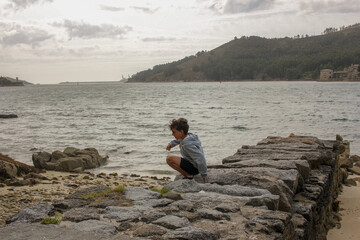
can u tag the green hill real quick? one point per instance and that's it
(257, 58)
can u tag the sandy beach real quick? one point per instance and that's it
(350, 213)
(58, 185)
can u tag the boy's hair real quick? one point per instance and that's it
(179, 124)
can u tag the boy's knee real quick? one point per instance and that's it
(169, 159)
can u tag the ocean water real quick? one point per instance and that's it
(129, 122)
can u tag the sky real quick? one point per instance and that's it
(52, 41)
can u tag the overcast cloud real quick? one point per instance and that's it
(146, 9)
(110, 8)
(13, 34)
(87, 31)
(22, 4)
(103, 40)
(315, 6)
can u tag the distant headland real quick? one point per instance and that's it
(13, 82)
(254, 58)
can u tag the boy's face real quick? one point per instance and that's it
(178, 134)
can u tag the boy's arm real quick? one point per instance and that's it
(198, 157)
(173, 143)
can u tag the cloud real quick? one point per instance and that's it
(240, 6)
(88, 31)
(23, 4)
(237, 6)
(146, 10)
(13, 34)
(332, 6)
(110, 8)
(158, 39)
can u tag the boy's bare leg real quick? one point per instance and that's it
(174, 162)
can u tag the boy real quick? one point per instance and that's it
(193, 160)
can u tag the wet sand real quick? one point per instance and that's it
(350, 213)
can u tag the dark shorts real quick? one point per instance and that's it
(188, 167)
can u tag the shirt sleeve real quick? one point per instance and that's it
(173, 143)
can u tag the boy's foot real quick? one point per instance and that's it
(188, 177)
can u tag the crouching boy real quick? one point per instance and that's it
(192, 160)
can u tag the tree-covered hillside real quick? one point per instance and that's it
(257, 58)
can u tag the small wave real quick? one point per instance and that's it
(344, 120)
(215, 108)
(240, 128)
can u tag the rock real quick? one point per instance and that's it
(8, 116)
(139, 193)
(172, 222)
(80, 194)
(70, 203)
(339, 138)
(172, 195)
(346, 162)
(31, 214)
(254, 177)
(41, 159)
(212, 214)
(155, 203)
(152, 215)
(81, 214)
(149, 230)
(350, 182)
(7, 167)
(7, 170)
(355, 169)
(228, 207)
(190, 233)
(183, 185)
(121, 214)
(355, 158)
(104, 204)
(71, 160)
(263, 178)
(35, 175)
(46, 231)
(95, 227)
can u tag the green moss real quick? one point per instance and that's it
(56, 219)
(101, 194)
(161, 191)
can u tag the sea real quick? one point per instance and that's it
(128, 122)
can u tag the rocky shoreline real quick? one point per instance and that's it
(281, 188)
(52, 186)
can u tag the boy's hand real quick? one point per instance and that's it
(168, 147)
(206, 179)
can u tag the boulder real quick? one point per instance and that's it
(81, 214)
(189, 233)
(355, 170)
(71, 160)
(149, 230)
(31, 214)
(47, 231)
(121, 214)
(95, 227)
(172, 222)
(355, 158)
(7, 170)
